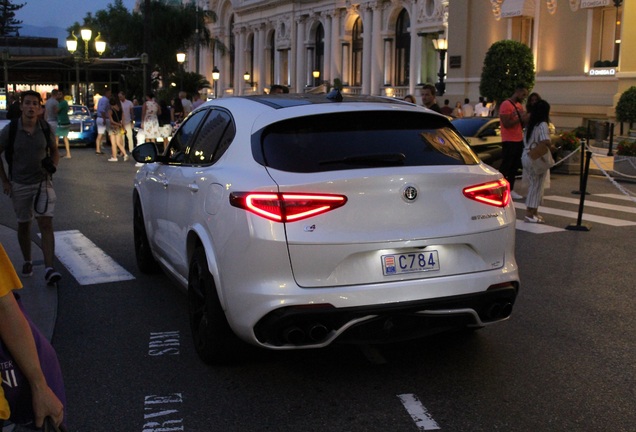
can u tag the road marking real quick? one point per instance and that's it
(162, 413)
(574, 216)
(615, 196)
(418, 412)
(593, 204)
(536, 228)
(85, 261)
(164, 343)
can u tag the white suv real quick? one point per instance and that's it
(296, 220)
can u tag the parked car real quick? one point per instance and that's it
(484, 136)
(83, 127)
(295, 221)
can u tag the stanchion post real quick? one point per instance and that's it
(581, 167)
(611, 139)
(579, 226)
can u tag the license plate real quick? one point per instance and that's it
(412, 262)
(73, 135)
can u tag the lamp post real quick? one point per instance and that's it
(247, 77)
(181, 58)
(215, 77)
(71, 45)
(441, 45)
(5, 65)
(316, 75)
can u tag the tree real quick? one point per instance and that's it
(9, 26)
(626, 107)
(507, 64)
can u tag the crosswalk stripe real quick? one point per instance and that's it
(85, 261)
(594, 204)
(574, 216)
(616, 197)
(536, 228)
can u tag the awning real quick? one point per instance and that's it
(586, 4)
(514, 8)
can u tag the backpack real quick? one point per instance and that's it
(13, 130)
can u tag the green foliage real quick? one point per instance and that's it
(626, 106)
(507, 64)
(626, 148)
(568, 141)
(9, 26)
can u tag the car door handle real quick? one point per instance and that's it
(193, 187)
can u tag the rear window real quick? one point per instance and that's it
(363, 139)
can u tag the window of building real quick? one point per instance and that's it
(319, 51)
(230, 81)
(606, 35)
(272, 59)
(250, 57)
(356, 52)
(522, 29)
(402, 49)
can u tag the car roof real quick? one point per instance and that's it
(288, 100)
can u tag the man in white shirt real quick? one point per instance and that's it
(128, 119)
(480, 109)
(187, 105)
(50, 110)
(467, 108)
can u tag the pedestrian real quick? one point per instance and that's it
(30, 394)
(513, 117)
(63, 122)
(537, 144)
(196, 100)
(481, 110)
(446, 108)
(51, 107)
(428, 94)
(187, 105)
(149, 120)
(467, 109)
(410, 98)
(103, 108)
(277, 89)
(128, 119)
(177, 112)
(533, 98)
(32, 159)
(458, 111)
(14, 107)
(116, 129)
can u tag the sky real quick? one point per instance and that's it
(61, 13)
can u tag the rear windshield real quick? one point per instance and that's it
(363, 139)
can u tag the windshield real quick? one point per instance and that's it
(366, 139)
(468, 127)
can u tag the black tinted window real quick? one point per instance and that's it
(361, 140)
(182, 140)
(213, 138)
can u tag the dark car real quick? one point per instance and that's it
(83, 127)
(484, 136)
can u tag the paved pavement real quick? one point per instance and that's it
(39, 300)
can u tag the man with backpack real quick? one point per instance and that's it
(30, 149)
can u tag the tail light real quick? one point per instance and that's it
(286, 207)
(495, 193)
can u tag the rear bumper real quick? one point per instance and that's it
(319, 325)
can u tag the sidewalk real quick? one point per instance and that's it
(39, 300)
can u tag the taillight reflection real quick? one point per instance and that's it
(286, 207)
(495, 193)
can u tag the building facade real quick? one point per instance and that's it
(385, 47)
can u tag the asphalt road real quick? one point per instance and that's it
(565, 361)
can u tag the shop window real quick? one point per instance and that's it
(319, 51)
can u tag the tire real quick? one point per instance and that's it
(145, 261)
(214, 340)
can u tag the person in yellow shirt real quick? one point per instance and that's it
(17, 338)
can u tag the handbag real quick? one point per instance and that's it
(543, 162)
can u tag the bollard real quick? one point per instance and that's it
(579, 226)
(611, 140)
(581, 167)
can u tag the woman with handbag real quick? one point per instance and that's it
(116, 130)
(537, 158)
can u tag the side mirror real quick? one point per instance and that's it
(145, 153)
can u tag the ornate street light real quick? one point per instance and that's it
(441, 45)
(316, 75)
(215, 77)
(181, 58)
(71, 45)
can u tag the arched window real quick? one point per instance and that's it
(272, 58)
(319, 52)
(356, 52)
(402, 49)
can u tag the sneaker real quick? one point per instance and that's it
(112, 159)
(125, 158)
(534, 219)
(139, 164)
(515, 195)
(27, 269)
(52, 276)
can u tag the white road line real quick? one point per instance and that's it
(615, 196)
(418, 412)
(85, 261)
(594, 204)
(574, 215)
(536, 228)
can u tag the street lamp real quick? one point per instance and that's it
(441, 45)
(181, 58)
(316, 75)
(71, 45)
(215, 77)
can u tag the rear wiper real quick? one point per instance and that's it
(380, 159)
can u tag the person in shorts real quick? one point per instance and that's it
(103, 110)
(29, 184)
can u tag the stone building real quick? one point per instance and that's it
(385, 47)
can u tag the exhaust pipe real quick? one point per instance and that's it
(494, 311)
(506, 310)
(294, 335)
(318, 332)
